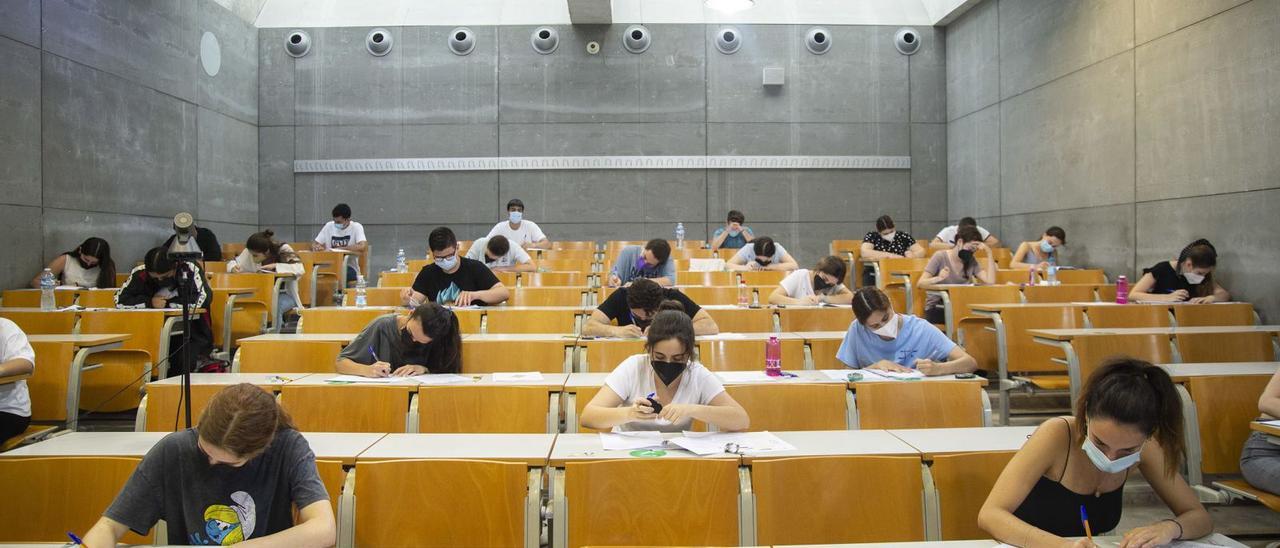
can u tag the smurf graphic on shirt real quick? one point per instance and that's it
(227, 525)
(448, 294)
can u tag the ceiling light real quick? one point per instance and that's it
(730, 6)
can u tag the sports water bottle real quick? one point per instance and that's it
(401, 264)
(1122, 290)
(680, 235)
(47, 283)
(773, 357)
(742, 294)
(361, 292)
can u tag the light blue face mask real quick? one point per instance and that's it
(1105, 464)
(735, 233)
(339, 227)
(1045, 246)
(449, 263)
(516, 216)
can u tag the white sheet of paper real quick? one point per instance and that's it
(442, 378)
(517, 377)
(732, 335)
(367, 380)
(913, 374)
(1275, 423)
(837, 374)
(746, 376)
(706, 265)
(630, 441)
(749, 442)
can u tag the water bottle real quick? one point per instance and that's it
(1031, 276)
(755, 300)
(1053, 274)
(773, 357)
(361, 292)
(1122, 290)
(680, 235)
(47, 283)
(401, 264)
(742, 294)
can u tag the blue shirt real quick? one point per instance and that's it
(626, 270)
(917, 339)
(731, 241)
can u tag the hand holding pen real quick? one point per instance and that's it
(379, 367)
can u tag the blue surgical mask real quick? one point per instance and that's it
(1045, 246)
(516, 216)
(340, 226)
(1101, 462)
(448, 263)
(735, 233)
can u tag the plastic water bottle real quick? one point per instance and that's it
(361, 292)
(773, 357)
(1122, 290)
(401, 264)
(47, 283)
(680, 235)
(742, 294)
(1031, 276)
(1053, 274)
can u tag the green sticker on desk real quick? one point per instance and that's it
(648, 453)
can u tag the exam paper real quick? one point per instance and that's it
(368, 380)
(441, 378)
(703, 444)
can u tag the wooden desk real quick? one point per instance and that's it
(829, 443)
(226, 320)
(320, 406)
(56, 390)
(310, 346)
(489, 406)
(1215, 539)
(548, 353)
(930, 442)
(160, 405)
(345, 447)
(530, 449)
(1182, 372)
(587, 447)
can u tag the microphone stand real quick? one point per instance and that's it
(185, 291)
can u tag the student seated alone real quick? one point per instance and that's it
(1190, 278)
(653, 261)
(762, 254)
(497, 253)
(237, 476)
(88, 266)
(451, 279)
(822, 285)
(880, 338)
(634, 307)
(1127, 415)
(666, 372)
(426, 341)
(1260, 459)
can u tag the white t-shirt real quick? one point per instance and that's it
(330, 237)
(634, 378)
(948, 234)
(748, 253)
(14, 397)
(799, 284)
(515, 254)
(523, 235)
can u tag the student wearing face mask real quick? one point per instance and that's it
(519, 231)
(880, 338)
(497, 253)
(1128, 414)
(1190, 278)
(237, 476)
(822, 285)
(958, 265)
(428, 340)
(1260, 459)
(454, 280)
(887, 242)
(155, 285)
(262, 253)
(762, 254)
(89, 265)
(1042, 253)
(653, 261)
(946, 238)
(634, 307)
(342, 234)
(733, 235)
(668, 374)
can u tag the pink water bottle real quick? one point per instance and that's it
(742, 294)
(1031, 276)
(773, 357)
(1122, 290)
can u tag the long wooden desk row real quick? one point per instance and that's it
(491, 489)
(551, 403)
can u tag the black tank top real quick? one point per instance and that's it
(1053, 508)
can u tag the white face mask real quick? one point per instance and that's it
(889, 329)
(1193, 278)
(890, 236)
(1105, 464)
(516, 216)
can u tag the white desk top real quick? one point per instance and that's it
(506, 308)
(1068, 334)
(822, 335)
(587, 447)
(563, 338)
(340, 446)
(91, 444)
(288, 337)
(838, 443)
(1184, 370)
(260, 379)
(321, 379)
(552, 381)
(80, 340)
(531, 449)
(1215, 539)
(933, 441)
(784, 336)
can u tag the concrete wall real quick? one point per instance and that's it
(1136, 125)
(680, 97)
(111, 126)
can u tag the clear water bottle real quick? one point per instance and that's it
(401, 264)
(1122, 290)
(680, 235)
(362, 298)
(742, 294)
(773, 357)
(1053, 274)
(47, 283)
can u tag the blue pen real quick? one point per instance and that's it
(75, 539)
(374, 354)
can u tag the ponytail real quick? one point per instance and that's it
(1138, 394)
(441, 324)
(265, 243)
(1203, 255)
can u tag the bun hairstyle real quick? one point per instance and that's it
(265, 242)
(867, 300)
(1202, 255)
(671, 322)
(1136, 393)
(441, 324)
(242, 419)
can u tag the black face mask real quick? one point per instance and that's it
(642, 324)
(668, 372)
(83, 264)
(820, 284)
(762, 262)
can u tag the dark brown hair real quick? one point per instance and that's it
(671, 322)
(1202, 255)
(1057, 232)
(764, 247)
(833, 266)
(867, 300)
(736, 216)
(242, 419)
(99, 249)
(645, 294)
(660, 248)
(968, 233)
(1134, 392)
(498, 245)
(884, 223)
(264, 242)
(441, 324)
